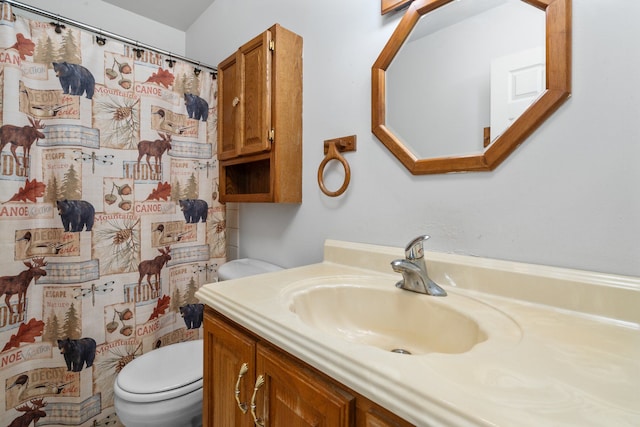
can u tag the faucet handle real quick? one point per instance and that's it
(414, 249)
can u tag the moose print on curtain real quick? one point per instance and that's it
(109, 216)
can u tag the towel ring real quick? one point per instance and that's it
(332, 149)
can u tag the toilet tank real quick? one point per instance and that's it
(245, 267)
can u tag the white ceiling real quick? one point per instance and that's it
(176, 14)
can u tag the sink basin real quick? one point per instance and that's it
(372, 311)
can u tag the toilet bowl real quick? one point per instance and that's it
(163, 387)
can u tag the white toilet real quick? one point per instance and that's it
(245, 267)
(163, 387)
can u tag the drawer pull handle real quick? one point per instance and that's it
(256, 420)
(243, 370)
(235, 101)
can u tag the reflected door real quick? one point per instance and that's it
(516, 82)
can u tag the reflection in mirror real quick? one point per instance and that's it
(479, 64)
(437, 118)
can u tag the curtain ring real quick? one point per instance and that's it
(58, 25)
(100, 39)
(138, 51)
(334, 154)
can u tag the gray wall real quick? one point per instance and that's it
(112, 19)
(568, 197)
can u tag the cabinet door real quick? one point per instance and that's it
(293, 396)
(226, 349)
(368, 414)
(255, 61)
(229, 107)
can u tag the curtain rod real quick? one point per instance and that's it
(108, 34)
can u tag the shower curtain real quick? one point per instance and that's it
(109, 218)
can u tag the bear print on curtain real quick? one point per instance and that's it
(108, 215)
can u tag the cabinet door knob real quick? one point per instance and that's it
(235, 101)
(259, 422)
(241, 405)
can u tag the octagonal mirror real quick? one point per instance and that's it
(461, 83)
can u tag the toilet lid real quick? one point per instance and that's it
(172, 370)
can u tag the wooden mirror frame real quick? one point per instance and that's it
(387, 6)
(558, 89)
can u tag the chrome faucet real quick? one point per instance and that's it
(414, 270)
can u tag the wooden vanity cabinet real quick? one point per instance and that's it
(295, 396)
(293, 393)
(260, 120)
(369, 414)
(225, 350)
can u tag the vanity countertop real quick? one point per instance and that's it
(576, 361)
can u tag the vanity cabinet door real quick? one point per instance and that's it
(226, 349)
(368, 414)
(292, 395)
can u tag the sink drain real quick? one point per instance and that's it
(400, 351)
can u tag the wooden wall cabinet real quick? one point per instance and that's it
(260, 120)
(293, 393)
